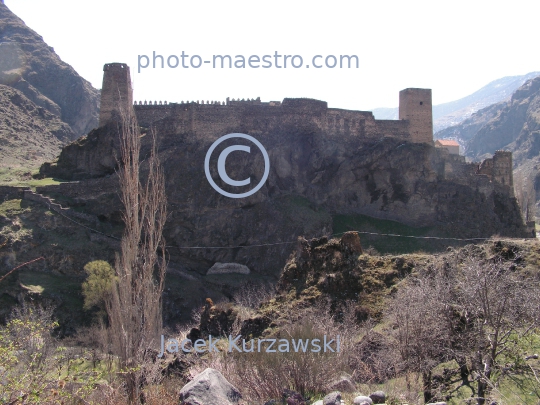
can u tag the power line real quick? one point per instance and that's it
(289, 242)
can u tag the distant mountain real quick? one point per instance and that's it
(29, 65)
(454, 112)
(513, 125)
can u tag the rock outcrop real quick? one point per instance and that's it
(228, 268)
(29, 134)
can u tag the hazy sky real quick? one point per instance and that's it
(452, 47)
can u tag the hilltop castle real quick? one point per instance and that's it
(415, 122)
(325, 163)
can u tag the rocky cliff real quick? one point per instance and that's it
(313, 176)
(29, 134)
(29, 65)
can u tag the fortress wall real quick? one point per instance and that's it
(502, 170)
(346, 122)
(147, 114)
(11, 193)
(389, 128)
(256, 117)
(499, 170)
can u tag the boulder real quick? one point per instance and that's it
(209, 388)
(362, 400)
(227, 268)
(378, 397)
(343, 383)
(334, 398)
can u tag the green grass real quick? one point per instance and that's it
(390, 244)
(23, 177)
(11, 207)
(50, 284)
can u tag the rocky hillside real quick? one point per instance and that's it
(511, 125)
(313, 178)
(30, 66)
(454, 112)
(29, 134)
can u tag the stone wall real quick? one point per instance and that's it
(215, 118)
(11, 193)
(499, 170)
(220, 119)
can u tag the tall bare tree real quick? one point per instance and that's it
(135, 304)
(525, 194)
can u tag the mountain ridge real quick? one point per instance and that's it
(29, 65)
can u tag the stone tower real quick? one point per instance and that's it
(502, 169)
(415, 106)
(116, 92)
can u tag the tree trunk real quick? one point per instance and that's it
(426, 382)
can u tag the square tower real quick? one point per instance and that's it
(415, 107)
(116, 92)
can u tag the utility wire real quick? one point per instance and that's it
(287, 243)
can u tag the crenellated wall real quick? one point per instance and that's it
(415, 124)
(196, 116)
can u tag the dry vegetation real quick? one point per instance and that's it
(456, 327)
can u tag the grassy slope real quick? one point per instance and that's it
(392, 244)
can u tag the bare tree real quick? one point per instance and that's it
(498, 305)
(526, 195)
(471, 311)
(421, 329)
(135, 304)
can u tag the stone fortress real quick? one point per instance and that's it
(325, 164)
(415, 122)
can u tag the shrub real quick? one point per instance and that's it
(33, 368)
(98, 285)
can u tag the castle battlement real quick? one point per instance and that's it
(415, 123)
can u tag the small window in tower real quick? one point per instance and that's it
(421, 103)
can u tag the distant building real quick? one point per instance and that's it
(451, 145)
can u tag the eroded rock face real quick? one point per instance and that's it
(28, 64)
(29, 134)
(209, 388)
